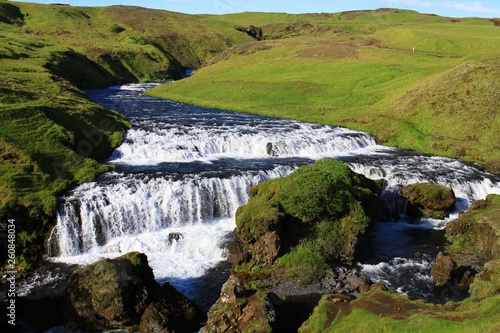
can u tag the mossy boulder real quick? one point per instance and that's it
(241, 310)
(475, 235)
(429, 200)
(117, 293)
(314, 215)
(112, 293)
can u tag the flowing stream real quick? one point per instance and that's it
(184, 170)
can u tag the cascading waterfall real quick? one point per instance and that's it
(125, 205)
(183, 171)
(399, 169)
(185, 143)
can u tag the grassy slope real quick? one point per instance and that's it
(42, 118)
(328, 71)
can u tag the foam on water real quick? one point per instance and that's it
(406, 276)
(202, 163)
(174, 252)
(185, 143)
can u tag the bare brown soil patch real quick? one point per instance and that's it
(386, 305)
(339, 307)
(329, 51)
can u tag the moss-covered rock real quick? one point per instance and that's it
(314, 216)
(118, 293)
(112, 293)
(475, 235)
(240, 310)
(429, 200)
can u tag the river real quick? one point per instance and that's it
(183, 170)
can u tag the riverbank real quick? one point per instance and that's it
(328, 72)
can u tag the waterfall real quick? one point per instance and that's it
(186, 143)
(399, 169)
(126, 205)
(183, 171)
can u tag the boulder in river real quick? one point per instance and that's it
(317, 212)
(171, 312)
(117, 293)
(429, 200)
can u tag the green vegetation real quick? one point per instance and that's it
(379, 311)
(474, 234)
(316, 215)
(325, 68)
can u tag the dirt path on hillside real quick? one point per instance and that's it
(383, 48)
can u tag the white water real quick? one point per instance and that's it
(403, 275)
(185, 170)
(129, 213)
(178, 143)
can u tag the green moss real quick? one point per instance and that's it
(382, 312)
(317, 213)
(305, 263)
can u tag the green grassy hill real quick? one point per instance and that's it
(442, 99)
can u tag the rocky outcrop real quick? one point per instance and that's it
(122, 293)
(171, 312)
(255, 32)
(326, 198)
(443, 268)
(429, 200)
(239, 309)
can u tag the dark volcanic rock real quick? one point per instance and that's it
(429, 200)
(112, 293)
(171, 312)
(255, 32)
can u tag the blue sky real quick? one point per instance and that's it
(458, 8)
